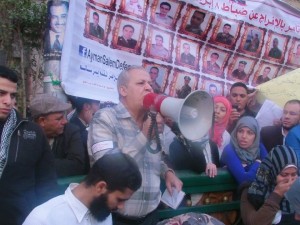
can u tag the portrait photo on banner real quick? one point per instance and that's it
(188, 52)
(57, 13)
(265, 72)
(128, 35)
(166, 13)
(276, 45)
(159, 75)
(294, 53)
(240, 68)
(136, 8)
(252, 40)
(183, 83)
(226, 32)
(106, 4)
(97, 24)
(215, 61)
(212, 87)
(196, 22)
(159, 44)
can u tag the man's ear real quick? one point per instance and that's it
(123, 90)
(101, 187)
(41, 121)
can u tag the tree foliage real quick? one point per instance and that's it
(21, 31)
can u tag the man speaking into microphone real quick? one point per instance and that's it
(126, 127)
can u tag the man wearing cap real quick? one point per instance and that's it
(186, 88)
(64, 138)
(27, 174)
(239, 73)
(85, 110)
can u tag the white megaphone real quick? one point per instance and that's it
(193, 114)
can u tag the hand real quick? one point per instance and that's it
(252, 99)
(211, 170)
(283, 185)
(172, 181)
(234, 116)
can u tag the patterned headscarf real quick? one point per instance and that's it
(220, 127)
(249, 155)
(279, 158)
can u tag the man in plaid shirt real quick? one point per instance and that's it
(125, 128)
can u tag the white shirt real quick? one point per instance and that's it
(63, 210)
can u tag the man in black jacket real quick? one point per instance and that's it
(64, 138)
(85, 110)
(27, 174)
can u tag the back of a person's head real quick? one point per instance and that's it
(240, 84)
(118, 170)
(79, 102)
(292, 101)
(8, 74)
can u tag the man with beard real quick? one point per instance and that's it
(272, 136)
(111, 181)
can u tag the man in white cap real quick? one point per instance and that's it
(64, 138)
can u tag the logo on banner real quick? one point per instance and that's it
(83, 51)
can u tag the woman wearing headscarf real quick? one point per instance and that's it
(244, 153)
(222, 112)
(264, 202)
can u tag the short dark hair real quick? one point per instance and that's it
(240, 84)
(202, 13)
(165, 3)
(96, 14)
(292, 101)
(78, 102)
(212, 85)
(227, 24)
(214, 53)
(118, 170)
(154, 67)
(9, 74)
(160, 36)
(128, 25)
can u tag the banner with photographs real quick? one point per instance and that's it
(200, 44)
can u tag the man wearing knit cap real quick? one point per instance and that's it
(64, 138)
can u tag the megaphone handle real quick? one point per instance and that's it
(153, 127)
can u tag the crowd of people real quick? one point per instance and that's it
(124, 159)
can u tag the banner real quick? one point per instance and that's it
(205, 44)
(281, 89)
